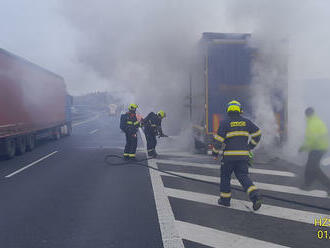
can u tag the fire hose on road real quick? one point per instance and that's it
(141, 163)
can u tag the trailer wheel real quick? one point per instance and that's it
(10, 148)
(69, 129)
(64, 130)
(57, 133)
(20, 145)
(30, 142)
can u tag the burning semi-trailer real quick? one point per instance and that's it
(222, 70)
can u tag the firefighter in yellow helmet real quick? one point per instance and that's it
(129, 124)
(152, 128)
(316, 144)
(238, 136)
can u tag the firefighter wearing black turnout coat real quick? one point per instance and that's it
(238, 136)
(129, 124)
(152, 128)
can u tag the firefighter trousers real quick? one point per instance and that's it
(131, 145)
(240, 168)
(313, 171)
(151, 141)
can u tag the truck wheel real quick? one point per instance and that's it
(10, 148)
(30, 142)
(57, 133)
(64, 130)
(20, 145)
(69, 129)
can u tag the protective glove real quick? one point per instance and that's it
(215, 154)
(251, 159)
(137, 125)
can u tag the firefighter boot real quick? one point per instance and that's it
(224, 202)
(155, 154)
(133, 159)
(257, 201)
(151, 153)
(126, 157)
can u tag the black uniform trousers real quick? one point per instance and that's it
(151, 140)
(240, 168)
(131, 145)
(313, 171)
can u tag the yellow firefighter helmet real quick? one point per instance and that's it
(161, 113)
(132, 106)
(234, 106)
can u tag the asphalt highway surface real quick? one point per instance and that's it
(73, 199)
(63, 194)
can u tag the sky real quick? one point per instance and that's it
(75, 38)
(140, 49)
(94, 44)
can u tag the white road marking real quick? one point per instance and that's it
(268, 210)
(184, 163)
(170, 235)
(217, 166)
(265, 186)
(170, 152)
(99, 147)
(215, 238)
(94, 131)
(85, 121)
(29, 165)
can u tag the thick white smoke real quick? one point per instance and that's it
(269, 86)
(288, 33)
(142, 47)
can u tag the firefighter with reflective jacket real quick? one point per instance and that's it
(238, 136)
(129, 124)
(152, 128)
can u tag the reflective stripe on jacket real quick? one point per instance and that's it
(129, 123)
(153, 124)
(239, 134)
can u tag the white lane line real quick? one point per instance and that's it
(29, 165)
(170, 235)
(181, 154)
(94, 131)
(268, 210)
(85, 121)
(215, 238)
(184, 163)
(217, 166)
(272, 172)
(265, 186)
(99, 147)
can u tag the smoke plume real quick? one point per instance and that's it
(288, 35)
(141, 49)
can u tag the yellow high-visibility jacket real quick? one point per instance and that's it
(316, 135)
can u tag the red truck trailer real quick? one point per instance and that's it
(33, 103)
